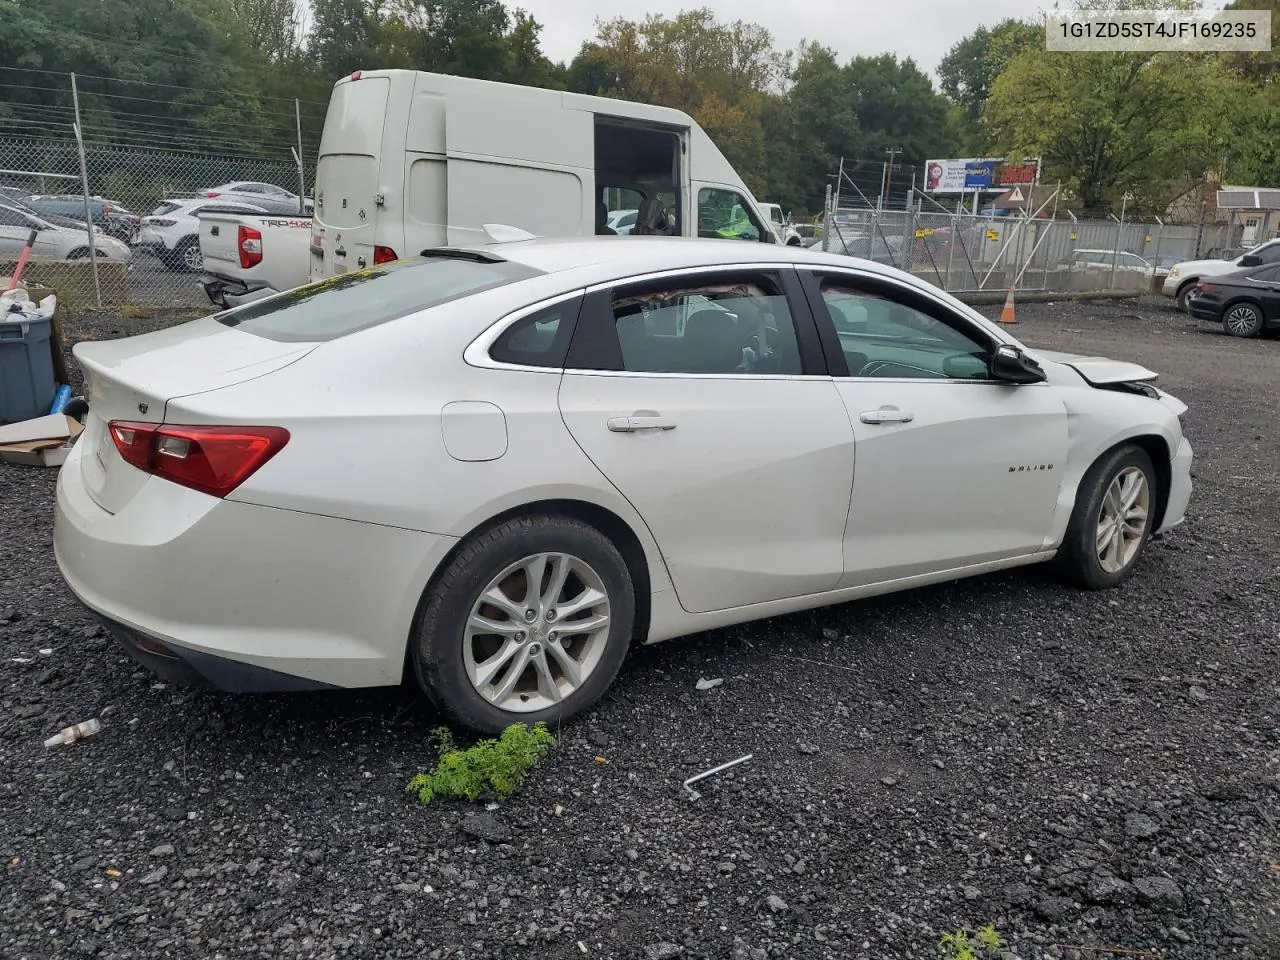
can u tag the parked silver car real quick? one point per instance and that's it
(268, 196)
(53, 242)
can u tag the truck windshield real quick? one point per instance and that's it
(343, 304)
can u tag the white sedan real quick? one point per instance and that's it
(494, 468)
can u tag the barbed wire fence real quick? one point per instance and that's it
(142, 159)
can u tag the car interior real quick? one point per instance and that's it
(637, 168)
(711, 328)
(881, 337)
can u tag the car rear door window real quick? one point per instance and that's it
(734, 323)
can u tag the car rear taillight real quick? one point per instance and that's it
(1202, 287)
(212, 193)
(213, 460)
(383, 254)
(249, 243)
(158, 221)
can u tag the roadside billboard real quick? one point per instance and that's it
(978, 173)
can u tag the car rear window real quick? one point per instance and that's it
(348, 302)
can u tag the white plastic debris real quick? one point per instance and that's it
(704, 684)
(71, 734)
(46, 651)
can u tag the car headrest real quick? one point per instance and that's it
(711, 343)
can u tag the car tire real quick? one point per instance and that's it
(1184, 293)
(1243, 319)
(1089, 556)
(466, 672)
(186, 256)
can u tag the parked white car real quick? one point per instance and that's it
(622, 222)
(499, 465)
(172, 232)
(1183, 277)
(53, 242)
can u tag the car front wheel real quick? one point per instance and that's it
(1112, 520)
(530, 622)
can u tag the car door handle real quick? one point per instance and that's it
(638, 422)
(886, 415)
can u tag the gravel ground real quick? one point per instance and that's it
(1085, 771)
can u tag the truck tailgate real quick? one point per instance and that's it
(219, 243)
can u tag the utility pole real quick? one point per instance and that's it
(888, 170)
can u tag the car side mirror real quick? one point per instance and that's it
(1010, 364)
(1249, 260)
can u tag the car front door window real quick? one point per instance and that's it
(726, 214)
(885, 338)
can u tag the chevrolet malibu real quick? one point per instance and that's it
(494, 468)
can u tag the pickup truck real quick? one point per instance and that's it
(248, 256)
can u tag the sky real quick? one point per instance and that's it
(921, 29)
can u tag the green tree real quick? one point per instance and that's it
(897, 107)
(461, 37)
(971, 66)
(821, 125)
(347, 35)
(1107, 123)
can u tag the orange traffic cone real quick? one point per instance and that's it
(1006, 314)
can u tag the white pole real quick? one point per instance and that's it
(84, 185)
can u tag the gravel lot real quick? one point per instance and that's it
(1085, 771)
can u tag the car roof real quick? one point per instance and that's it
(605, 259)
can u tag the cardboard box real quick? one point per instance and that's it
(40, 442)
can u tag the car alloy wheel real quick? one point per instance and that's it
(191, 258)
(1122, 520)
(537, 632)
(1242, 320)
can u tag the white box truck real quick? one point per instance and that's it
(411, 160)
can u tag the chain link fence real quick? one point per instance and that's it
(1042, 247)
(143, 203)
(146, 229)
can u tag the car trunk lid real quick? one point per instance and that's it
(134, 379)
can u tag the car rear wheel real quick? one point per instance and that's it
(1112, 520)
(530, 622)
(186, 256)
(1242, 320)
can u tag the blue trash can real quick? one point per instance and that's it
(26, 369)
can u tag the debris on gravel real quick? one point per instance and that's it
(1002, 750)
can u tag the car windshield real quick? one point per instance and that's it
(343, 304)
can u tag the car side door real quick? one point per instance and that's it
(702, 396)
(1267, 284)
(952, 467)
